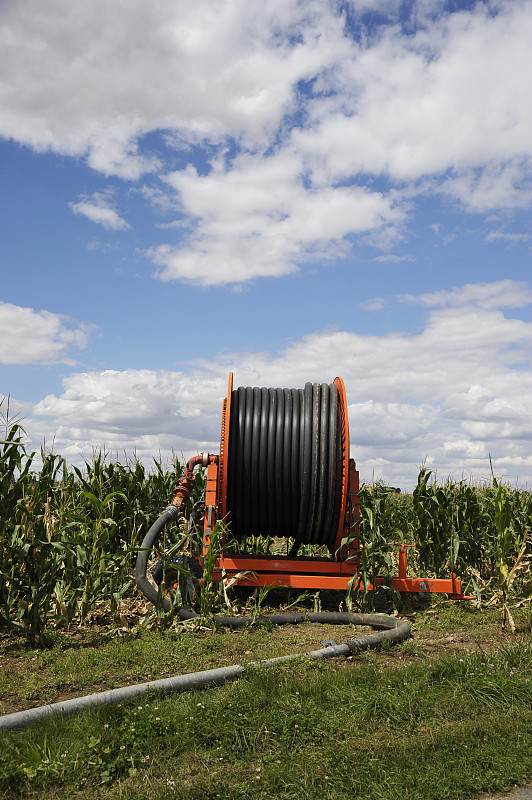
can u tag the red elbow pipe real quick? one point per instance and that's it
(186, 481)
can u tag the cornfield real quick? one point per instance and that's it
(481, 533)
(69, 536)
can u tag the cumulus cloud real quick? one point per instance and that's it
(445, 98)
(456, 391)
(38, 337)
(153, 414)
(259, 219)
(98, 209)
(90, 79)
(405, 107)
(296, 109)
(497, 185)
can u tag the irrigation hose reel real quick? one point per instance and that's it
(283, 471)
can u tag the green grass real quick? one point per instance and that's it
(389, 725)
(100, 662)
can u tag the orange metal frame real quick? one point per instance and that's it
(312, 573)
(305, 572)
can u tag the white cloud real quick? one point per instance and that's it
(488, 417)
(506, 293)
(151, 413)
(35, 337)
(449, 97)
(451, 392)
(512, 238)
(89, 78)
(392, 258)
(376, 304)
(259, 219)
(497, 185)
(406, 107)
(98, 209)
(295, 116)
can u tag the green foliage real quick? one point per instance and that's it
(210, 592)
(378, 530)
(32, 557)
(508, 539)
(474, 531)
(480, 533)
(434, 530)
(68, 539)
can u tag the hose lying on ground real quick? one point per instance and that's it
(390, 629)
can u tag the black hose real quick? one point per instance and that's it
(392, 630)
(284, 463)
(170, 514)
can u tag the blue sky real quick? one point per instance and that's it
(289, 190)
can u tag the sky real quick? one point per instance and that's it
(287, 189)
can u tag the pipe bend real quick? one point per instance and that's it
(170, 513)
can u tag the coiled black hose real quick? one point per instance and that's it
(284, 463)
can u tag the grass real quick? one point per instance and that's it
(446, 715)
(33, 676)
(429, 719)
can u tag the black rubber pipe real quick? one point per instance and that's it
(392, 630)
(283, 464)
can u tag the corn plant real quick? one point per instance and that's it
(434, 524)
(98, 565)
(210, 590)
(377, 532)
(171, 573)
(68, 539)
(31, 556)
(510, 546)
